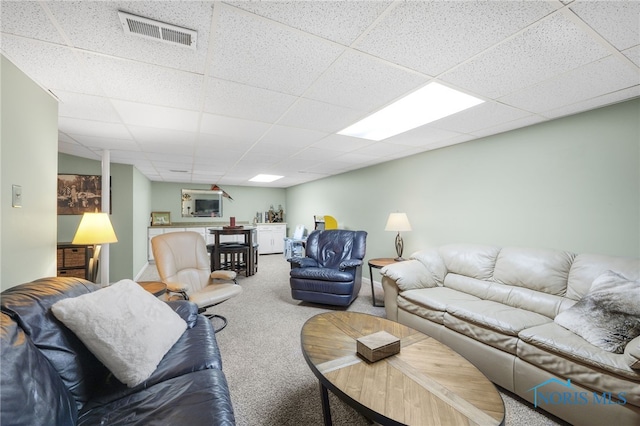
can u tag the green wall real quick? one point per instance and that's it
(28, 152)
(247, 201)
(571, 184)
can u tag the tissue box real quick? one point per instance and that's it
(377, 346)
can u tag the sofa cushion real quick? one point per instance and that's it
(431, 303)
(411, 274)
(125, 327)
(587, 267)
(472, 260)
(609, 315)
(32, 391)
(491, 322)
(197, 349)
(200, 398)
(541, 270)
(565, 354)
(30, 306)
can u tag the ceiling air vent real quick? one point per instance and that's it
(148, 28)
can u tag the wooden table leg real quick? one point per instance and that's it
(326, 409)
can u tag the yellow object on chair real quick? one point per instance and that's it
(330, 222)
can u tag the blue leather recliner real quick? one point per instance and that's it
(331, 271)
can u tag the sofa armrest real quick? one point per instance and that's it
(390, 290)
(632, 353)
(303, 262)
(350, 263)
(410, 274)
(188, 311)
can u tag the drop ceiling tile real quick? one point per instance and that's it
(51, 66)
(137, 158)
(150, 136)
(422, 136)
(27, 19)
(633, 54)
(361, 82)
(77, 150)
(616, 21)
(315, 154)
(510, 125)
(253, 51)
(381, 150)
(608, 99)
(310, 114)
(94, 143)
(342, 143)
(481, 116)
(292, 136)
(434, 36)
(244, 101)
(598, 78)
(81, 20)
(145, 83)
(157, 116)
(92, 128)
(553, 46)
(236, 128)
(338, 21)
(88, 107)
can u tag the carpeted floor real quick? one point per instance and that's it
(269, 380)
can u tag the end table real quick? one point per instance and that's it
(378, 263)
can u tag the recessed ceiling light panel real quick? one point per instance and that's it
(265, 178)
(430, 103)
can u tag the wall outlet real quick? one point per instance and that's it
(16, 197)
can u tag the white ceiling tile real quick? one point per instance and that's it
(617, 21)
(174, 150)
(432, 36)
(150, 136)
(316, 154)
(422, 136)
(608, 99)
(381, 149)
(250, 50)
(92, 128)
(146, 83)
(292, 136)
(27, 19)
(553, 46)
(93, 142)
(157, 116)
(88, 107)
(342, 143)
(361, 82)
(315, 115)
(81, 20)
(339, 21)
(243, 130)
(481, 116)
(77, 150)
(240, 100)
(52, 66)
(633, 54)
(604, 76)
(510, 125)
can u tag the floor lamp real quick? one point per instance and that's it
(94, 229)
(398, 222)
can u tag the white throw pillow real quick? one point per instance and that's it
(127, 328)
(609, 315)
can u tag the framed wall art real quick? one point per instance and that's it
(160, 218)
(78, 194)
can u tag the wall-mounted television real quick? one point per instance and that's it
(201, 203)
(207, 207)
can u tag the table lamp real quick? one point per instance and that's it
(398, 222)
(94, 229)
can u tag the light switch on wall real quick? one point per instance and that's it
(16, 198)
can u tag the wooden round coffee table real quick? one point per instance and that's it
(427, 383)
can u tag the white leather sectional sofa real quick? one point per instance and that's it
(496, 307)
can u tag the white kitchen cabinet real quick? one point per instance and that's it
(271, 237)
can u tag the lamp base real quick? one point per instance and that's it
(399, 247)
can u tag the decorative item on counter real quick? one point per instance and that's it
(232, 224)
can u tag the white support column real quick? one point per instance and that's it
(106, 201)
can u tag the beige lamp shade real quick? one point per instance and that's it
(398, 222)
(95, 228)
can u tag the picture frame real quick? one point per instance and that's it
(160, 218)
(79, 194)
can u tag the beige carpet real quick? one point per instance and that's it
(269, 380)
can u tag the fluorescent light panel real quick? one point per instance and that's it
(430, 103)
(265, 178)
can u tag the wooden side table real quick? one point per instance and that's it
(157, 288)
(378, 263)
